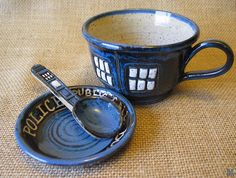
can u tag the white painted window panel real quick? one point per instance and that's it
(143, 73)
(133, 72)
(152, 73)
(107, 69)
(141, 85)
(98, 72)
(101, 64)
(132, 84)
(150, 85)
(109, 80)
(96, 60)
(103, 75)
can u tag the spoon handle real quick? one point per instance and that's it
(55, 85)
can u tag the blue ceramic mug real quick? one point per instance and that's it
(143, 53)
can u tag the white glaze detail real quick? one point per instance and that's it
(103, 75)
(98, 72)
(132, 84)
(150, 85)
(141, 84)
(103, 70)
(143, 73)
(55, 83)
(96, 60)
(101, 64)
(107, 67)
(109, 80)
(133, 72)
(152, 73)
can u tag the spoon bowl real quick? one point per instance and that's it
(99, 116)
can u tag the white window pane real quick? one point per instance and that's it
(95, 60)
(107, 68)
(98, 72)
(152, 73)
(109, 80)
(103, 75)
(132, 72)
(101, 64)
(150, 85)
(132, 84)
(143, 73)
(55, 83)
(141, 84)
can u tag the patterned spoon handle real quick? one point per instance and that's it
(55, 85)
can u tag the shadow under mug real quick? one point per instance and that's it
(143, 53)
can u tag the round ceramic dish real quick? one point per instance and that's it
(47, 131)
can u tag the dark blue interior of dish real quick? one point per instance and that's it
(62, 137)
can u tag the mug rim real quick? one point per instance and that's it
(144, 48)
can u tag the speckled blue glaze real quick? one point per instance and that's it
(168, 60)
(47, 131)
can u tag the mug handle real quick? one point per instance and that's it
(208, 73)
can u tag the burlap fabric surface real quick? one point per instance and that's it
(190, 134)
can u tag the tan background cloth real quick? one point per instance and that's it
(190, 134)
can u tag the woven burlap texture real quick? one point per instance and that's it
(190, 134)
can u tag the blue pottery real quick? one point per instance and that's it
(47, 131)
(98, 116)
(143, 53)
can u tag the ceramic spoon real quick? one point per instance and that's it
(99, 117)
